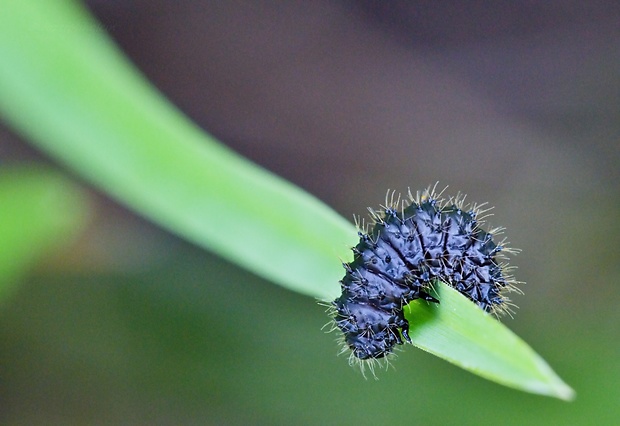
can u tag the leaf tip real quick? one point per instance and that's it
(553, 385)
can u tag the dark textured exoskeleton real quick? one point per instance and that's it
(398, 258)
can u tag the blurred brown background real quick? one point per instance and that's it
(515, 103)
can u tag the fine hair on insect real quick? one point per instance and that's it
(408, 244)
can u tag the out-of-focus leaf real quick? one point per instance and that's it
(39, 211)
(66, 87)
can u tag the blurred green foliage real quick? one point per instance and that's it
(40, 210)
(194, 339)
(220, 346)
(100, 118)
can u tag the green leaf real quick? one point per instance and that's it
(96, 114)
(461, 333)
(39, 211)
(67, 88)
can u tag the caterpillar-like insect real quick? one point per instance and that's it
(408, 245)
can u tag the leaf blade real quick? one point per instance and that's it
(98, 116)
(461, 333)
